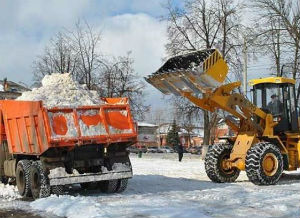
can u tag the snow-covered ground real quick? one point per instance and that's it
(164, 187)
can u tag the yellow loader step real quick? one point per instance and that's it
(193, 72)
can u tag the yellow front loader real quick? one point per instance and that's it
(267, 140)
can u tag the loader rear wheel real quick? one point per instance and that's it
(122, 185)
(23, 178)
(215, 168)
(40, 186)
(264, 164)
(109, 186)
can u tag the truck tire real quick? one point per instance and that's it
(122, 185)
(23, 178)
(89, 185)
(213, 164)
(264, 164)
(40, 186)
(109, 186)
(57, 189)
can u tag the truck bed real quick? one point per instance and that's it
(32, 129)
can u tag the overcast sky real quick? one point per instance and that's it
(126, 25)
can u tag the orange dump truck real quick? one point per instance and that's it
(43, 149)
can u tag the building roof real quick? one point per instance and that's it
(15, 87)
(146, 124)
(165, 128)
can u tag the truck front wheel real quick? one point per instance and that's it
(23, 178)
(214, 164)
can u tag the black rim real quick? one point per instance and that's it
(35, 183)
(21, 182)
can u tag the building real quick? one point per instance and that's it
(187, 139)
(223, 130)
(147, 134)
(11, 90)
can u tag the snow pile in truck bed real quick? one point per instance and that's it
(61, 90)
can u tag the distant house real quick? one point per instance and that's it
(147, 134)
(11, 90)
(187, 139)
(223, 130)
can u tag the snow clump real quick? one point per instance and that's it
(61, 90)
(8, 192)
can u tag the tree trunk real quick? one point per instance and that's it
(206, 134)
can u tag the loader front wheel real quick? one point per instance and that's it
(215, 168)
(264, 164)
(23, 178)
(40, 186)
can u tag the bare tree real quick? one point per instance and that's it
(288, 12)
(205, 24)
(58, 57)
(86, 42)
(78, 52)
(118, 79)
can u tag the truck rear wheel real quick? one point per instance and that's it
(40, 186)
(4, 180)
(122, 185)
(23, 178)
(88, 185)
(264, 164)
(109, 186)
(215, 167)
(57, 189)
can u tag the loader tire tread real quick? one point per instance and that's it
(254, 166)
(213, 166)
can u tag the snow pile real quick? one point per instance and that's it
(8, 192)
(68, 206)
(61, 90)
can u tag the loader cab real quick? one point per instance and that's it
(276, 95)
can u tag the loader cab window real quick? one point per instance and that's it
(275, 105)
(279, 100)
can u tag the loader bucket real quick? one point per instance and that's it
(195, 72)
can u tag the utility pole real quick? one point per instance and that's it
(245, 66)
